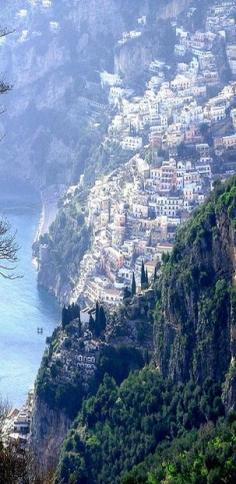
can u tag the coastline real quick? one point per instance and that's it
(49, 203)
(40, 227)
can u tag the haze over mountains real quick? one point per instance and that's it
(123, 119)
(54, 58)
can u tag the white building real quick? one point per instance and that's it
(132, 143)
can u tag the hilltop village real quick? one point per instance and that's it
(177, 135)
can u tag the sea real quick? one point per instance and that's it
(24, 307)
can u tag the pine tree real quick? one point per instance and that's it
(127, 293)
(102, 319)
(76, 311)
(91, 324)
(97, 321)
(146, 357)
(146, 278)
(143, 276)
(64, 318)
(97, 313)
(72, 311)
(155, 274)
(133, 287)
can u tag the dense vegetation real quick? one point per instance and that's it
(66, 242)
(122, 425)
(206, 456)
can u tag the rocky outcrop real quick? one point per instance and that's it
(49, 428)
(131, 54)
(173, 9)
(66, 375)
(74, 365)
(156, 41)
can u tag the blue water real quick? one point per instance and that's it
(23, 307)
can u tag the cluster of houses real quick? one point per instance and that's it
(174, 135)
(171, 110)
(82, 359)
(134, 214)
(16, 426)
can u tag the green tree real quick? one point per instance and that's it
(102, 319)
(91, 324)
(146, 277)
(127, 293)
(65, 318)
(155, 274)
(133, 286)
(143, 276)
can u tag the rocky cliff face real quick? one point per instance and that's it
(49, 430)
(195, 332)
(156, 41)
(173, 9)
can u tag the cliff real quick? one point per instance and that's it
(195, 318)
(74, 365)
(49, 430)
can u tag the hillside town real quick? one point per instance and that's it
(179, 136)
(16, 425)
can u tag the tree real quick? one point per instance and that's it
(99, 324)
(4, 86)
(64, 318)
(133, 287)
(8, 246)
(146, 278)
(127, 293)
(143, 277)
(102, 318)
(97, 313)
(155, 274)
(13, 460)
(91, 324)
(70, 314)
(8, 251)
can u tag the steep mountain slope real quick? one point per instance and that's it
(195, 318)
(193, 379)
(54, 59)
